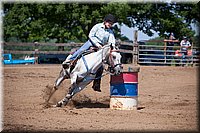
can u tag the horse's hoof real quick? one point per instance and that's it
(53, 106)
(65, 102)
(58, 105)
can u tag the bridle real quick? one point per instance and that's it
(110, 62)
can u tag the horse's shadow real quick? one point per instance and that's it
(90, 104)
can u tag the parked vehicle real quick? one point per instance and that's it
(7, 60)
(51, 58)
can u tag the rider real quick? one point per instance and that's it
(99, 35)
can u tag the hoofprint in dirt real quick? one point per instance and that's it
(167, 102)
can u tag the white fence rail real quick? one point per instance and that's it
(167, 55)
(133, 52)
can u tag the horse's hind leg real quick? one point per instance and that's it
(66, 99)
(74, 89)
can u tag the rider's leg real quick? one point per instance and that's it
(97, 82)
(85, 46)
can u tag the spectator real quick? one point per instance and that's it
(185, 45)
(171, 37)
(170, 44)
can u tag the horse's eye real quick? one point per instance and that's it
(114, 57)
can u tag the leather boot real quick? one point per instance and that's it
(96, 85)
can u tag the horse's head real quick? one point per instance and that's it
(114, 61)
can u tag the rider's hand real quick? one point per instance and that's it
(98, 45)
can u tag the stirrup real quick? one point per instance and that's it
(66, 64)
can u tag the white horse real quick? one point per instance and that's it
(84, 72)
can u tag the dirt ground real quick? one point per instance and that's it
(167, 101)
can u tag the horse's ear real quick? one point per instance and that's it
(118, 43)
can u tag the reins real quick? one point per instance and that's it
(107, 71)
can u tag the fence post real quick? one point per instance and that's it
(192, 54)
(36, 52)
(135, 49)
(165, 48)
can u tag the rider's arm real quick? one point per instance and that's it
(92, 36)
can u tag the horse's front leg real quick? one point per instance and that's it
(52, 91)
(64, 74)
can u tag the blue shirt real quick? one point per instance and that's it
(99, 34)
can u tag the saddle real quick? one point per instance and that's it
(89, 51)
(72, 64)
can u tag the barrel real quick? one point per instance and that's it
(124, 91)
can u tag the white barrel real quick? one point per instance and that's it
(123, 103)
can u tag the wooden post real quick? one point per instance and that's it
(36, 52)
(192, 54)
(60, 48)
(135, 36)
(165, 45)
(135, 49)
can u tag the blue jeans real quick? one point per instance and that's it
(83, 48)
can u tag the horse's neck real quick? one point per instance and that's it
(100, 55)
(96, 59)
(103, 52)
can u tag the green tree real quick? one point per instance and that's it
(73, 21)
